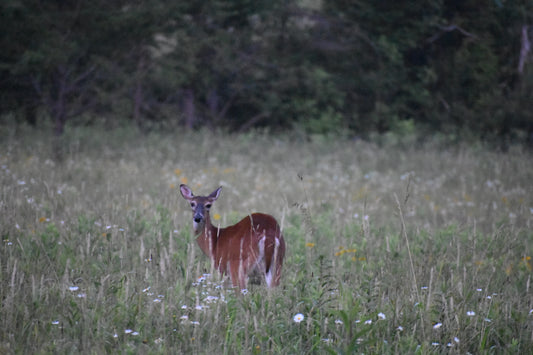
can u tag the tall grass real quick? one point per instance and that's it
(391, 248)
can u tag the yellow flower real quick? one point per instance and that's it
(216, 216)
(183, 180)
(310, 245)
(177, 172)
(509, 269)
(42, 219)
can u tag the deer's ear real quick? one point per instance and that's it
(186, 192)
(214, 195)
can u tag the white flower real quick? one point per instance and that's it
(73, 288)
(456, 339)
(437, 326)
(400, 328)
(55, 322)
(128, 331)
(470, 313)
(146, 289)
(298, 318)
(210, 299)
(244, 291)
(135, 333)
(381, 316)
(368, 321)
(338, 322)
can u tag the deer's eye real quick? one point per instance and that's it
(207, 205)
(193, 204)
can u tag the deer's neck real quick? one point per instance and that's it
(207, 239)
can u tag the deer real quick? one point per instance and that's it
(252, 247)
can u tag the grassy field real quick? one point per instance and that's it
(391, 248)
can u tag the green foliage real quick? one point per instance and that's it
(322, 68)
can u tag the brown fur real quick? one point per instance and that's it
(236, 250)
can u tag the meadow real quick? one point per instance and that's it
(393, 246)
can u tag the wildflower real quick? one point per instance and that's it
(437, 325)
(488, 320)
(195, 322)
(381, 316)
(184, 180)
(115, 335)
(198, 307)
(128, 331)
(244, 291)
(157, 300)
(339, 322)
(135, 333)
(55, 322)
(479, 289)
(146, 289)
(210, 299)
(456, 339)
(216, 217)
(424, 288)
(298, 318)
(310, 245)
(82, 295)
(184, 306)
(73, 288)
(368, 321)
(435, 343)
(158, 340)
(470, 313)
(400, 328)
(184, 317)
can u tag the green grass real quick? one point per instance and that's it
(391, 248)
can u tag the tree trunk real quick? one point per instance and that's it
(189, 108)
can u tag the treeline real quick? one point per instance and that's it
(336, 66)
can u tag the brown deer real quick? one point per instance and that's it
(253, 245)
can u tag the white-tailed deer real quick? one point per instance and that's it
(254, 245)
